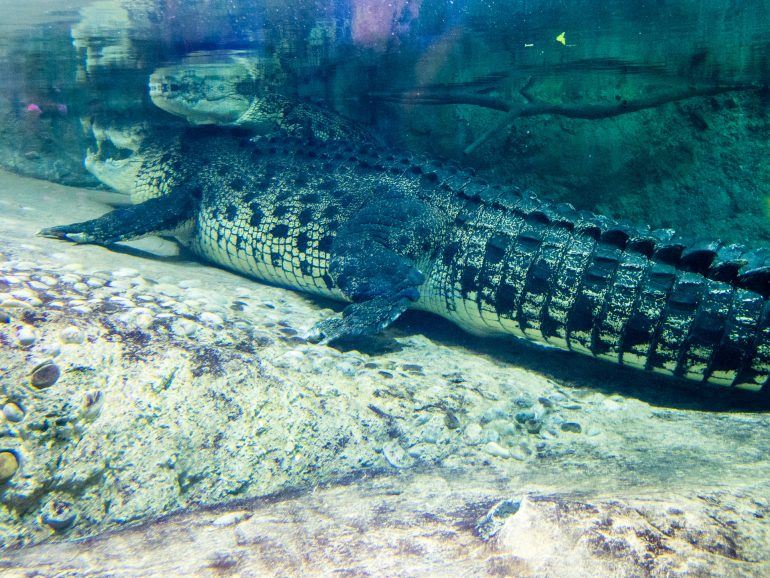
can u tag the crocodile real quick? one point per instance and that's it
(242, 92)
(388, 232)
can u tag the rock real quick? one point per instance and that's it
(490, 524)
(395, 455)
(346, 368)
(496, 450)
(211, 319)
(144, 320)
(13, 412)
(26, 337)
(71, 335)
(530, 420)
(184, 328)
(15, 304)
(571, 427)
(293, 359)
(92, 404)
(58, 514)
(9, 464)
(125, 272)
(45, 375)
(451, 421)
(230, 518)
(473, 434)
(523, 402)
(521, 451)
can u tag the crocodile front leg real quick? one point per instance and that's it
(374, 261)
(153, 216)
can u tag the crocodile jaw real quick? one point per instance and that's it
(120, 175)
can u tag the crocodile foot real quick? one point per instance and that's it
(359, 319)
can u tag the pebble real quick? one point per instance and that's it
(124, 272)
(211, 319)
(230, 518)
(530, 420)
(184, 328)
(521, 451)
(58, 515)
(51, 350)
(26, 337)
(396, 456)
(347, 369)
(168, 290)
(92, 404)
(71, 334)
(523, 402)
(503, 426)
(473, 434)
(291, 359)
(495, 449)
(451, 421)
(13, 412)
(433, 430)
(571, 426)
(94, 282)
(45, 375)
(16, 304)
(491, 523)
(121, 300)
(121, 284)
(9, 464)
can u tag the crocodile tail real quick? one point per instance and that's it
(653, 315)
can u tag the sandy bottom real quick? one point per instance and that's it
(174, 412)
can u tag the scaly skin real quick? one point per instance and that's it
(390, 232)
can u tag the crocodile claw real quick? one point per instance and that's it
(326, 331)
(66, 233)
(365, 318)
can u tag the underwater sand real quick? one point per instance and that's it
(183, 386)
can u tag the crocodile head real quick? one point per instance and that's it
(132, 160)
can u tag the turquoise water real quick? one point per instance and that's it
(94, 62)
(137, 381)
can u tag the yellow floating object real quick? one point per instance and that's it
(562, 38)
